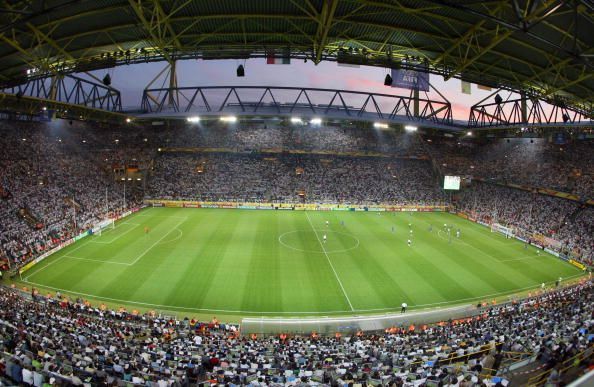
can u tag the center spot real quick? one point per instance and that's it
(308, 241)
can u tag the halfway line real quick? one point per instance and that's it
(330, 262)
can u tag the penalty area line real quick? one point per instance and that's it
(95, 260)
(157, 242)
(43, 268)
(134, 225)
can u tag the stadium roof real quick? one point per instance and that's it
(543, 47)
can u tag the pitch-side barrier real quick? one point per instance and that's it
(294, 206)
(353, 324)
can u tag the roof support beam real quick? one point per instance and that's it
(583, 77)
(149, 26)
(325, 22)
(498, 38)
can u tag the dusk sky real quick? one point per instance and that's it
(131, 80)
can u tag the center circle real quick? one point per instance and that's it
(293, 240)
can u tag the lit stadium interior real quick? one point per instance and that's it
(297, 192)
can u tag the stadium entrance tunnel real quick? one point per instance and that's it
(313, 241)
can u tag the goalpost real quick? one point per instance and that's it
(507, 231)
(102, 225)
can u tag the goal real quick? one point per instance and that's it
(102, 225)
(507, 231)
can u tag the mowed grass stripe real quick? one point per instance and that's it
(438, 277)
(316, 288)
(201, 251)
(432, 271)
(231, 260)
(484, 264)
(263, 277)
(367, 269)
(149, 259)
(524, 272)
(176, 262)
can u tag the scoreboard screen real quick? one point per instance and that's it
(451, 182)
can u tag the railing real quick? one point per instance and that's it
(295, 100)
(69, 89)
(525, 111)
(541, 378)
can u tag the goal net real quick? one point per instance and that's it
(100, 226)
(507, 231)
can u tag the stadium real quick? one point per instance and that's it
(301, 192)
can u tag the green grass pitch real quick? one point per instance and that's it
(246, 262)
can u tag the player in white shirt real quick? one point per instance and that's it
(324, 238)
(327, 223)
(409, 242)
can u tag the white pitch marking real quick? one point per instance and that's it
(330, 262)
(453, 302)
(119, 236)
(95, 260)
(159, 240)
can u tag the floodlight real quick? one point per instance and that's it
(193, 119)
(410, 128)
(315, 121)
(296, 120)
(380, 125)
(228, 119)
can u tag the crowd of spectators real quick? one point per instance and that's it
(536, 162)
(284, 177)
(52, 187)
(53, 340)
(258, 136)
(57, 181)
(566, 221)
(57, 178)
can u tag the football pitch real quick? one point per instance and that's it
(276, 263)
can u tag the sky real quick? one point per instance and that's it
(132, 79)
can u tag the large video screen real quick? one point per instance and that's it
(451, 182)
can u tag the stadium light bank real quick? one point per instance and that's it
(193, 119)
(316, 121)
(228, 118)
(296, 120)
(410, 128)
(380, 125)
